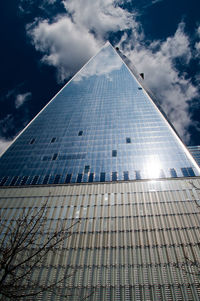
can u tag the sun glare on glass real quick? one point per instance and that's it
(153, 168)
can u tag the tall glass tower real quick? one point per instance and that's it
(102, 126)
(102, 152)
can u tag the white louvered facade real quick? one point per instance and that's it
(131, 243)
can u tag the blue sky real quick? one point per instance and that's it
(44, 42)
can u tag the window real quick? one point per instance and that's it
(137, 175)
(185, 172)
(14, 180)
(114, 153)
(191, 172)
(46, 179)
(91, 177)
(68, 178)
(32, 141)
(126, 176)
(24, 179)
(62, 157)
(114, 176)
(139, 88)
(80, 133)
(161, 174)
(188, 172)
(87, 168)
(54, 157)
(79, 178)
(3, 181)
(128, 140)
(53, 139)
(35, 179)
(173, 173)
(75, 156)
(102, 177)
(46, 158)
(57, 179)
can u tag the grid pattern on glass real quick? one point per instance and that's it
(102, 119)
(195, 151)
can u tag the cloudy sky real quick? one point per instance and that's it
(44, 42)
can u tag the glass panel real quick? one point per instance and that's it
(114, 176)
(79, 178)
(46, 179)
(57, 179)
(68, 178)
(94, 119)
(173, 173)
(126, 176)
(137, 175)
(91, 177)
(102, 177)
(35, 179)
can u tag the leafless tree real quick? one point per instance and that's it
(25, 246)
(189, 266)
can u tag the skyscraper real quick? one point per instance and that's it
(195, 151)
(102, 152)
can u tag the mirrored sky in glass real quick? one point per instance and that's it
(102, 126)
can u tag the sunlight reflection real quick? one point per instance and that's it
(153, 167)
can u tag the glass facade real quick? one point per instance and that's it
(132, 240)
(102, 126)
(195, 151)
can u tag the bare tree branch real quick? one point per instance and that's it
(25, 245)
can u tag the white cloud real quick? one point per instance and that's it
(66, 45)
(156, 1)
(3, 145)
(71, 39)
(197, 44)
(103, 64)
(177, 45)
(21, 99)
(100, 16)
(172, 89)
(6, 124)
